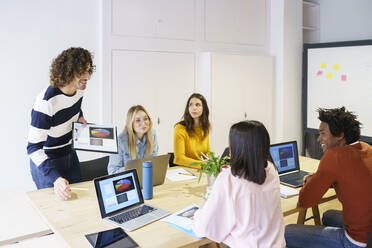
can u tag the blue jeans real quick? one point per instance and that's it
(331, 234)
(68, 167)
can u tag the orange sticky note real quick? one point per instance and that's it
(336, 66)
(323, 65)
(329, 75)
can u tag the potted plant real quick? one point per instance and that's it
(211, 166)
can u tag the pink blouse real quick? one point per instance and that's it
(241, 213)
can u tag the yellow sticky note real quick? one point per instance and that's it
(329, 75)
(336, 66)
(323, 65)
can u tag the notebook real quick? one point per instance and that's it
(159, 168)
(121, 202)
(285, 158)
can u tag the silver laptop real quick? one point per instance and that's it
(121, 202)
(285, 158)
(159, 168)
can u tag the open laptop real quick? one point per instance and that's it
(225, 153)
(285, 158)
(121, 202)
(159, 168)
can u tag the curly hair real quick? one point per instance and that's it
(188, 121)
(341, 121)
(72, 62)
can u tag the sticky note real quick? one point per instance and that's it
(323, 65)
(343, 77)
(336, 66)
(329, 75)
(320, 72)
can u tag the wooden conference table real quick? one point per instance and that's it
(74, 218)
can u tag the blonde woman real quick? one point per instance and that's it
(138, 140)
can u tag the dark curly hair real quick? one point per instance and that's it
(249, 144)
(341, 121)
(72, 62)
(188, 121)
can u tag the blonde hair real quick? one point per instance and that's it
(131, 134)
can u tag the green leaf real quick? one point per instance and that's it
(212, 166)
(200, 175)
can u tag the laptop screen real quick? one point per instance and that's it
(285, 156)
(118, 191)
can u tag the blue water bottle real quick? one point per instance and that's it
(147, 180)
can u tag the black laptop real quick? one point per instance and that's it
(285, 158)
(225, 153)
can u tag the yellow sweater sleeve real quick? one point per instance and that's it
(188, 149)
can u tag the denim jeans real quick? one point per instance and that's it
(330, 235)
(68, 167)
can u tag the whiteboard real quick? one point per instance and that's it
(339, 74)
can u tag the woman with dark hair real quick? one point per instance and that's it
(244, 208)
(191, 135)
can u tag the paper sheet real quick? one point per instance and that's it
(286, 192)
(180, 175)
(183, 219)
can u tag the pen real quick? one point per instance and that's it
(205, 156)
(186, 174)
(75, 188)
(190, 172)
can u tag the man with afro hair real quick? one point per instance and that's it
(347, 167)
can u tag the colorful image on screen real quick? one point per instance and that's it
(123, 185)
(285, 152)
(104, 133)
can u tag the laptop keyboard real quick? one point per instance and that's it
(294, 177)
(130, 215)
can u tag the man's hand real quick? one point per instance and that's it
(307, 177)
(62, 188)
(82, 120)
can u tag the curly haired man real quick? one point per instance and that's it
(53, 163)
(347, 166)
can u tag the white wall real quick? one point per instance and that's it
(286, 46)
(32, 34)
(345, 20)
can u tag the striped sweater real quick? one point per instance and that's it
(50, 133)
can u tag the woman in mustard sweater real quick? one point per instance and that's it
(191, 135)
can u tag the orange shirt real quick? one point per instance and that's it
(349, 169)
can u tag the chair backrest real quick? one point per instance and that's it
(369, 242)
(94, 168)
(171, 158)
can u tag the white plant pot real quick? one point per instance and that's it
(211, 179)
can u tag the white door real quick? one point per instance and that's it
(241, 89)
(227, 98)
(160, 81)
